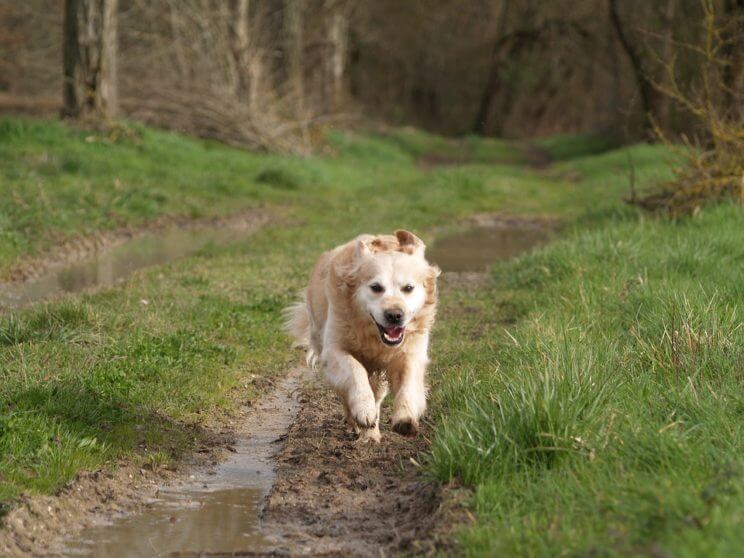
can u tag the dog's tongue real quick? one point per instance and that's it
(394, 332)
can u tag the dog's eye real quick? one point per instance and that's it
(407, 288)
(376, 288)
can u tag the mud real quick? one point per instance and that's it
(322, 494)
(39, 525)
(335, 496)
(217, 510)
(536, 157)
(81, 249)
(35, 525)
(489, 239)
(528, 154)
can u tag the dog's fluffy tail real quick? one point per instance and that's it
(297, 325)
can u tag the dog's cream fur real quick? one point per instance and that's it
(343, 320)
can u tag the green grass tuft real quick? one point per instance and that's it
(607, 418)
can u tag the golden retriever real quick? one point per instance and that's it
(365, 319)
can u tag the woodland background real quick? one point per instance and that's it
(265, 73)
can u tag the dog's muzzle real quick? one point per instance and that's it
(391, 335)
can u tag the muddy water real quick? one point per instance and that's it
(478, 248)
(119, 262)
(217, 511)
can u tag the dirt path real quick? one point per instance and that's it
(234, 452)
(336, 497)
(313, 489)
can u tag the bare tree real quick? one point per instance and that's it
(715, 166)
(293, 47)
(337, 57)
(513, 44)
(733, 58)
(263, 74)
(492, 83)
(645, 87)
(248, 55)
(241, 45)
(89, 59)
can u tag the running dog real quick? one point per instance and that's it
(365, 318)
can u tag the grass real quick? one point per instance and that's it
(58, 183)
(562, 389)
(92, 378)
(608, 420)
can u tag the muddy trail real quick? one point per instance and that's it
(298, 484)
(90, 262)
(211, 510)
(284, 477)
(293, 481)
(211, 498)
(335, 496)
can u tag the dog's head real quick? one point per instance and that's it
(393, 282)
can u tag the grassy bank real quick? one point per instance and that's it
(608, 419)
(58, 183)
(137, 370)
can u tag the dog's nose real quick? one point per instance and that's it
(394, 316)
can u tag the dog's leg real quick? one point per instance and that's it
(379, 385)
(349, 378)
(410, 398)
(348, 420)
(409, 391)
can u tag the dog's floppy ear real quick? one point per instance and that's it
(430, 283)
(409, 241)
(361, 249)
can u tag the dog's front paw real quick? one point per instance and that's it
(364, 411)
(368, 435)
(407, 427)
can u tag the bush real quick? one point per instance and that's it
(715, 169)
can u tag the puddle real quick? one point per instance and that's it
(478, 248)
(119, 262)
(216, 512)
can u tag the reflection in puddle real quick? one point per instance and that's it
(217, 512)
(479, 248)
(119, 262)
(191, 523)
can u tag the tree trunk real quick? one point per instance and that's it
(247, 56)
(645, 88)
(176, 28)
(338, 33)
(241, 47)
(89, 59)
(493, 81)
(293, 50)
(664, 103)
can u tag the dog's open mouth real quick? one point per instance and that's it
(391, 335)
